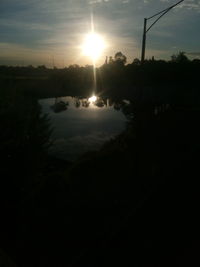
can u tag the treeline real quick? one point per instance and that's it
(114, 77)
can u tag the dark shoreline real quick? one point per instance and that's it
(134, 201)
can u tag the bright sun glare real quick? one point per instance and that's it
(93, 98)
(93, 46)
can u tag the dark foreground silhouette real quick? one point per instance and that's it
(135, 202)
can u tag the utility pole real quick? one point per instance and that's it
(144, 41)
(161, 13)
(53, 62)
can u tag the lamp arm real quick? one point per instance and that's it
(163, 12)
(157, 19)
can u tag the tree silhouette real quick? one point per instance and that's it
(136, 61)
(120, 58)
(180, 57)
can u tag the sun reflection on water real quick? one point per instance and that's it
(93, 99)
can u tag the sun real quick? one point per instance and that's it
(93, 46)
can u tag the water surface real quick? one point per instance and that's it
(83, 126)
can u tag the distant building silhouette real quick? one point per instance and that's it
(110, 60)
(106, 61)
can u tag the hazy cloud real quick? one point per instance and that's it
(194, 54)
(60, 26)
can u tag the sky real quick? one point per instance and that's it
(51, 32)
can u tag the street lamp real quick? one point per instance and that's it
(161, 13)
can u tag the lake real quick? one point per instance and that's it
(81, 125)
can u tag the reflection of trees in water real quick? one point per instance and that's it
(59, 105)
(85, 103)
(125, 106)
(77, 102)
(101, 102)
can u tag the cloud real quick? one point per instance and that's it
(190, 4)
(92, 2)
(58, 27)
(18, 53)
(193, 54)
(19, 24)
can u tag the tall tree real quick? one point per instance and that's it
(120, 58)
(180, 57)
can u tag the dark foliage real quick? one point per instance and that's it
(135, 202)
(114, 77)
(24, 140)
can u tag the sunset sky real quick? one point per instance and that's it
(45, 31)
